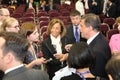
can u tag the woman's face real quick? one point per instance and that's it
(13, 28)
(34, 36)
(56, 29)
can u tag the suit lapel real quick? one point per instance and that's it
(50, 46)
(63, 44)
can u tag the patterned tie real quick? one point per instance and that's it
(76, 34)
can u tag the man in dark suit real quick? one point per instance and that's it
(117, 2)
(50, 6)
(111, 9)
(13, 49)
(71, 30)
(91, 31)
(56, 2)
(95, 6)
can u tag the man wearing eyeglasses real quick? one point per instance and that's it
(4, 13)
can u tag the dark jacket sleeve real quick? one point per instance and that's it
(48, 52)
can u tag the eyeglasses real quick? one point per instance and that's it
(5, 15)
(17, 26)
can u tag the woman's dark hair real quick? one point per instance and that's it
(80, 56)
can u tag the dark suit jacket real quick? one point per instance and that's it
(112, 11)
(20, 2)
(117, 2)
(47, 8)
(56, 1)
(5, 2)
(48, 52)
(23, 73)
(95, 9)
(70, 39)
(1, 74)
(102, 51)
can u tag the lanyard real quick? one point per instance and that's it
(82, 74)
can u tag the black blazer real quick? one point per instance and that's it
(24, 73)
(48, 49)
(112, 11)
(102, 51)
(48, 52)
(70, 39)
(95, 9)
(5, 2)
(56, 1)
(117, 2)
(47, 8)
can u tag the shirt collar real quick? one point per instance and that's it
(55, 40)
(11, 69)
(74, 28)
(92, 38)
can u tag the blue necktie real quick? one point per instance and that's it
(76, 34)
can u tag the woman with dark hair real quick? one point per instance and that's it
(80, 57)
(29, 30)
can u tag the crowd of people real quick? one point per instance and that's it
(79, 51)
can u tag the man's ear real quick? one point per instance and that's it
(91, 28)
(9, 58)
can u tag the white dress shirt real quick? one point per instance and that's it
(91, 39)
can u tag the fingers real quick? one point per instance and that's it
(58, 56)
(64, 57)
(68, 46)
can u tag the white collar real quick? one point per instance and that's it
(91, 39)
(55, 40)
(13, 68)
(57, 43)
(74, 28)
